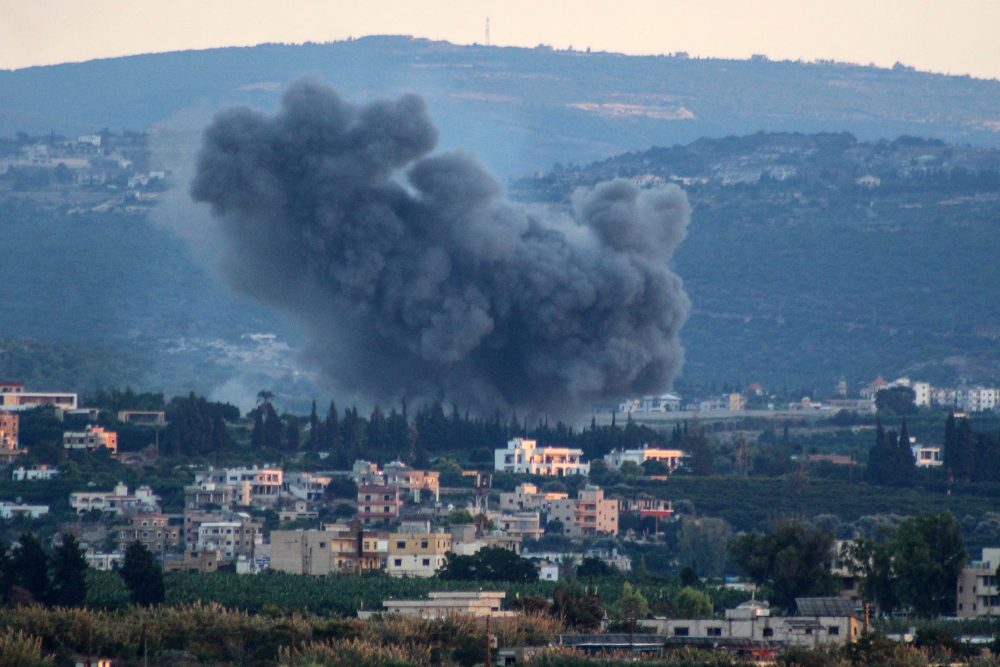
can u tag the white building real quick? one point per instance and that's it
(25, 400)
(672, 458)
(229, 538)
(306, 485)
(92, 439)
(526, 457)
(251, 486)
(977, 399)
(443, 604)
(922, 394)
(118, 501)
(658, 403)
(34, 473)
(927, 457)
(104, 561)
(11, 509)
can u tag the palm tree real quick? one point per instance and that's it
(264, 396)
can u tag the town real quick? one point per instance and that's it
(557, 514)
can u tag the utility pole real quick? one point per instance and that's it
(487, 31)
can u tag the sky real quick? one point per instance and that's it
(953, 36)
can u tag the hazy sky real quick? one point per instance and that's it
(953, 36)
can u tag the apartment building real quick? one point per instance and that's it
(417, 554)
(978, 593)
(590, 513)
(90, 440)
(25, 400)
(467, 539)
(527, 497)
(152, 530)
(379, 505)
(118, 501)
(671, 458)
(209, 495)
(526, 457)
(9, 430)
(235, 538)
(654, 507)
(335, 549)
(251, 486)
(413, 482)
(518, 524)
(305, 485)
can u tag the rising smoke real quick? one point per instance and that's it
(414, 276)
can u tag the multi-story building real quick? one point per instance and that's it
(417, 554)
(525, 456)
(379, 505)
(99, 560)
(305, 485)
(209, 495)
(12, 509)
(978, 594)
(671, 458)
(444, 604)
(590, 513)
(34, 473)
(154, 531)
(527, 497)
(654, 507)
(519, 524)
(92, 439)
(9, 430)
(659, 403)
(977, 399)
(251, 486)
(192, 561)
(412, 482)
(922, 394)
(237, 538)
(335, 549)
(467, 539)
(118, 501)
(25, 400)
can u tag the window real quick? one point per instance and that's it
(809, 631)
(398, 562)
(681, 631)
(833, 630)
(768, 632)
(713, 632)
(427, 562)
(423, 544)
(401, 544)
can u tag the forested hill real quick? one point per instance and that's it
(810, 256)
(520, 109)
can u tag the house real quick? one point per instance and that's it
(305, 485)
(527, 497)
(547, 570)
(13, 509)
(209, 495)
(978, 593)
(379, 505)
(519, 524)
(654, 507)
(467, 539)
(417, 554)
(590, 513)
(118, 501)
(671, 458)
(299, 512)
(9, 430)
(413, 482)
(926, 457)
(34, 473)
(90, 440)
(192, 561)
(658, 403)
(143, 417)
(819, 621)
(153, 530)
(235, 538)
(25, 400)
(526, 457)
(104, 561)
(442, 604)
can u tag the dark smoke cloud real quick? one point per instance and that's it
(414, 276)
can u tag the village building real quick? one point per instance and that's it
(526, 457)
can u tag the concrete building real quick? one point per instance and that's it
(654, 507)
(820, 621)
(671, 458)
(90, 440)
(345, 549)
(13, 509)
(526, 457)
(34, 473)
(104, 561)
(143, 417)
(413, 482)
(978, 594)
(9, 430)
(25, 400)
(119, 501)
(192, 561)
(152, 530)
(233, 539)
(209, 495)
(527, 497)
(443, 604)
(977, 399)
(590, 513)
(307, 486)
(519, 524)
(417, 554)
(927, 457)
(252, 486)
(647, 404)
(467, 539)
(379, 505)
(922, 394)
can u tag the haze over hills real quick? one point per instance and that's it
(800, 267)
(519, 109)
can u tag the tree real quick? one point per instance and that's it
(692, 603)
(69, 569)
(591, 567)
(630, 607)
(896, 401)
(790, 561)
(695, 443)
(927, 557)
(630, 470)
(577, 608)
(142, 575)
(293, 434)
(30, 568)
(703, 544)
(488, 564)
(871, 563)
(458, 517)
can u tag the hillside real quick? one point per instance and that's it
(520, 109)
(810, 256)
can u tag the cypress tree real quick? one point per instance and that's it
(142, 575)
(31, 568)
(69, 567)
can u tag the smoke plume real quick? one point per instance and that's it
(414, 276)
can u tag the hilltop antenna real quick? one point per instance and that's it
(487, 31)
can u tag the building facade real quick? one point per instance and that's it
(379, 505)
(417, 554)
(590, 513)
(671, 458)
(978, 594)
(526, 457)
(90, 440)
